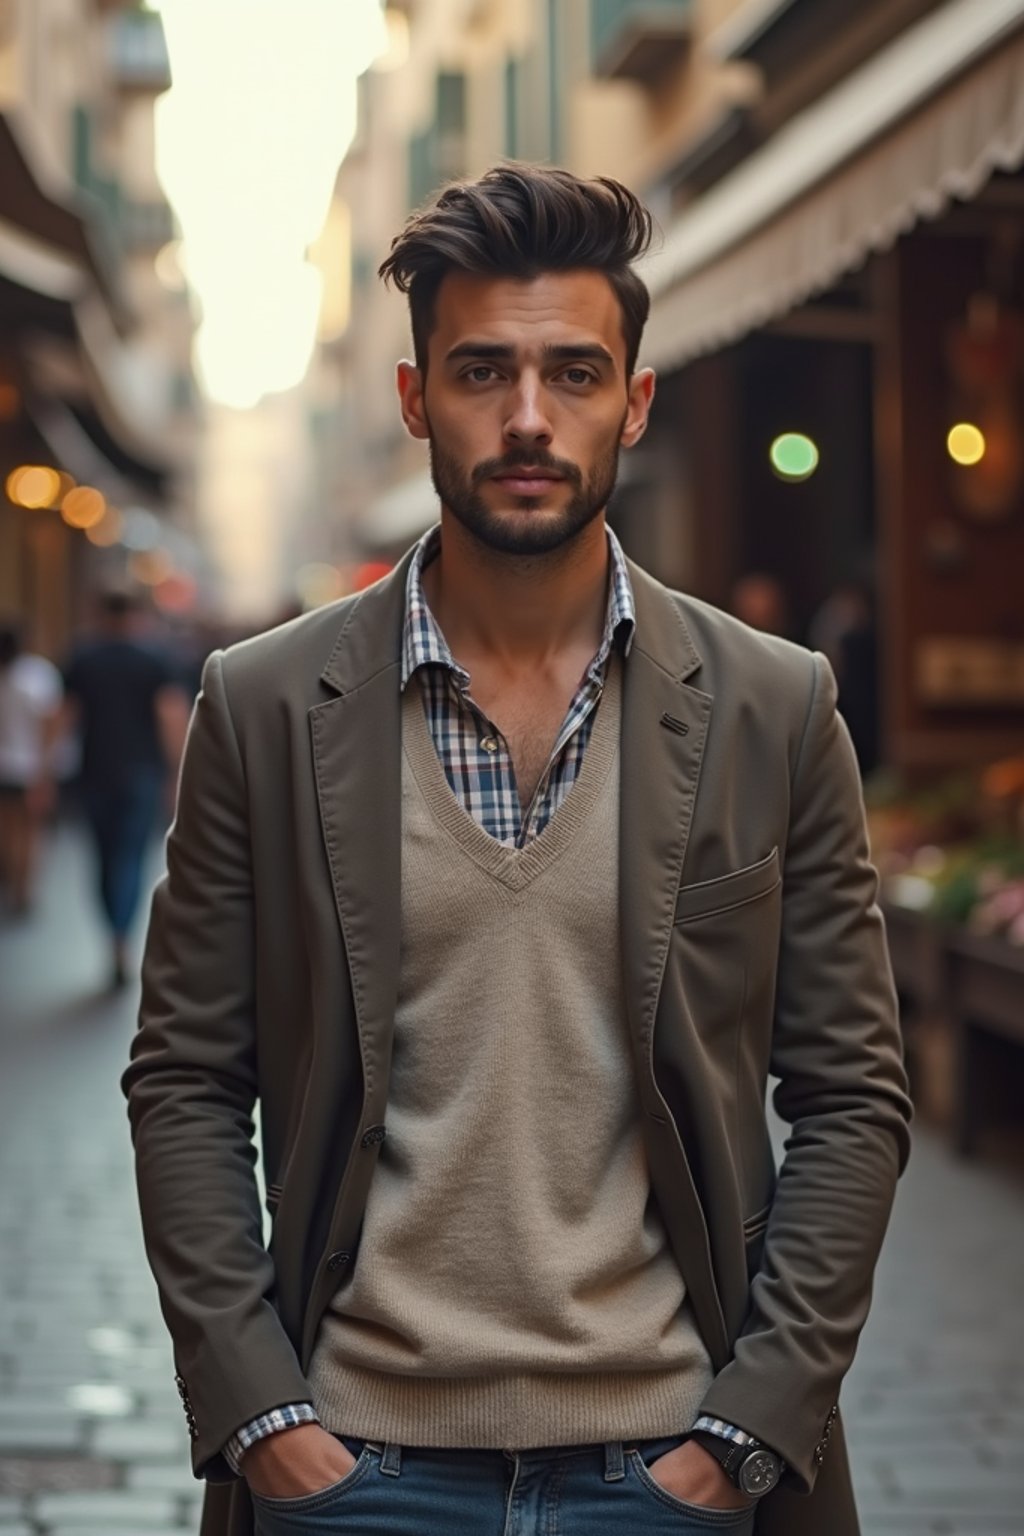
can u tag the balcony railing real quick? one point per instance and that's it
(637, 39)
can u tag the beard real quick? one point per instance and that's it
(521, 534)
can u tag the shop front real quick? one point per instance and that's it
(838, 325)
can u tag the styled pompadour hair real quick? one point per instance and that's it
(520, 221)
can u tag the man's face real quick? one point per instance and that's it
(526, 404)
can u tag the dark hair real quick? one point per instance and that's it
(10, 643)
(519, 221)
(118, 603)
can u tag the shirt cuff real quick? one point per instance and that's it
(288, 1417)
(709, 1426)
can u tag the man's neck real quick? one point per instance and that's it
(519, 612)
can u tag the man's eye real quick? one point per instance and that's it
(480, 374)
(578, 375)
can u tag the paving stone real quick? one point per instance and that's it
(118, 1511)
(141, 1529)
(165, 1477)
(138, 1440)
(41, 1436)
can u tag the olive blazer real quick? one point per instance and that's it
(752, 946)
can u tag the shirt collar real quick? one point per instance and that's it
(423, 644)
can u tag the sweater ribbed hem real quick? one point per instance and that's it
(509, 1412)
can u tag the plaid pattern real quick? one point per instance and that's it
(288, 1417)
(472, 751)
(725, 1431)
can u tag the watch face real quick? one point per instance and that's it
(759, 1473)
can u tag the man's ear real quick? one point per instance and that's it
(641, 393)
(409, 379)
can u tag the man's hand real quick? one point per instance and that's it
(691, 1474)
(293, 1462)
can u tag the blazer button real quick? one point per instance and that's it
(375, 1134)
(338, 1260)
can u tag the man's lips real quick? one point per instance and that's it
(527, 482)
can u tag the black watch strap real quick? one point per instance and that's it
(728, 1452)
(749, 1465)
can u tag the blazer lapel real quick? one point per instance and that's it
(357, 743)
(664, 727)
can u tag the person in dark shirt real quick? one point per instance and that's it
(126, 700)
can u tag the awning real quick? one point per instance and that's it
(46, 241)
(928, 119)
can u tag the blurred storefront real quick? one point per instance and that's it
(97, 405)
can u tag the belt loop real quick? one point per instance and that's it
(614, 1463)
(391, 1461)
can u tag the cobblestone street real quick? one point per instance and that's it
(92, 1438)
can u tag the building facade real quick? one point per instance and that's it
(96, 387)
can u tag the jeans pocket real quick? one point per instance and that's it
(322, 1498)
(737, 1520)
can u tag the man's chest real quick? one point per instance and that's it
(530, 720)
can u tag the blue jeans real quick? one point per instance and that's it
(569, 1490)
(122, 818)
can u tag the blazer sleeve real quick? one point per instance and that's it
(837, 1053)
(191, 1087)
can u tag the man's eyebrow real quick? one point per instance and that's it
(495, 351)
(584, 351)
(562, 352)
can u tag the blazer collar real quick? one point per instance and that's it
(370, 638)
(661, 630)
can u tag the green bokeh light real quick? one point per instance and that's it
(794, 456)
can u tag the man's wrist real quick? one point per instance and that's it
(290, 1416)
(750, 1464)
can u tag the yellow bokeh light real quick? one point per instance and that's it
(107, 531)
(83, 507)
(33, 486)
(966, 443)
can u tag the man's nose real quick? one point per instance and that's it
(527, 420)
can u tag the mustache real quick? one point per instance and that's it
(534, 458)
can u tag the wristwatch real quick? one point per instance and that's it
(752, 1467)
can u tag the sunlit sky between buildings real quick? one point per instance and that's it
(249, 140)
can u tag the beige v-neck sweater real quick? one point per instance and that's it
(514, 1285)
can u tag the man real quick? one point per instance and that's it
(123, 696)
(503, 887)
(30, 695)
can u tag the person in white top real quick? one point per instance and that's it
(30, 696)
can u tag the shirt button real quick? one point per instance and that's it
(490, 744)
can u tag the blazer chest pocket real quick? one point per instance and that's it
(723, 957)
(729, 891)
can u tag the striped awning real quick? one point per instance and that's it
(926, 121)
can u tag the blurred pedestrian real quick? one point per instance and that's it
(503, 885)
(760, 601)
(30, 696)
(125, 698)
(844, 628)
